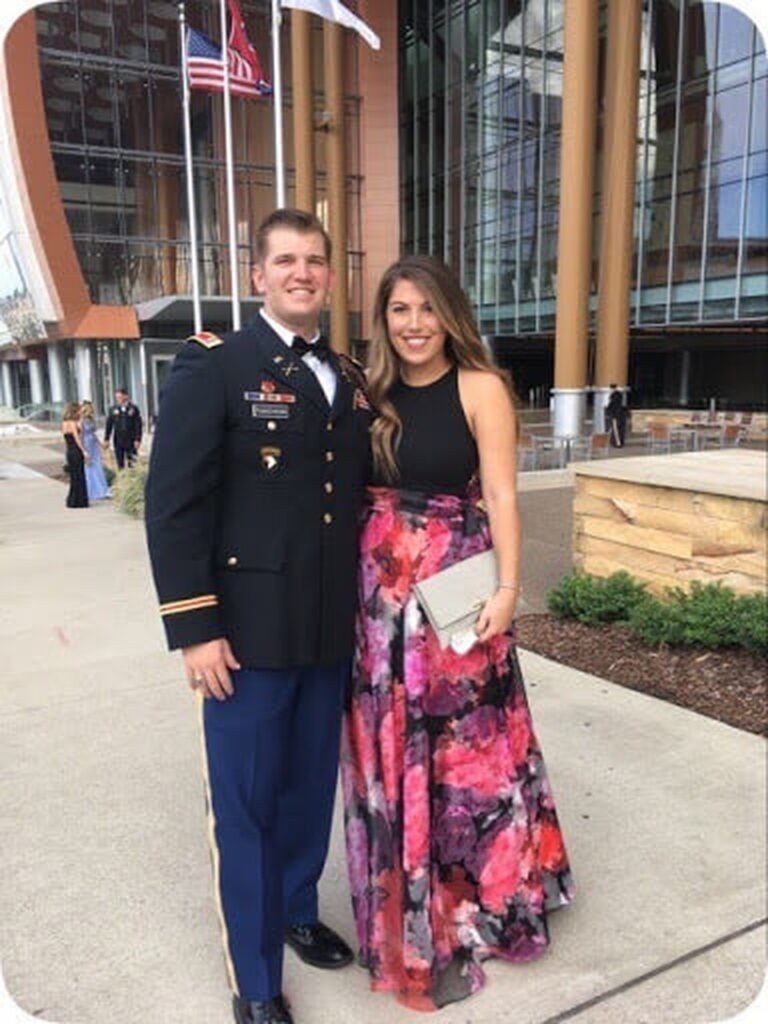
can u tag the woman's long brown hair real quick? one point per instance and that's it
(463, 346)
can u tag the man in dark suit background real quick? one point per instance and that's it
(616, 417)
(253, 497)
(124, 426)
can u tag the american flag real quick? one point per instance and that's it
(205, 67)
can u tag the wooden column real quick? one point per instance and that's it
(379, 146)
(574, 251)
(618, 192)
(303, 109)
(333, 58)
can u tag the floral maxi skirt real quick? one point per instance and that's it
(453, 845)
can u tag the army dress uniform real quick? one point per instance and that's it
(124, 426)
(252, 514)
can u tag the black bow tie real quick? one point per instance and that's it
(319, 349)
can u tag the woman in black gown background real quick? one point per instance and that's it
(76, 456)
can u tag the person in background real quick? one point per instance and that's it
(95, 479)
(616, 417)
(453, 844)
(124, 427)
(76, 456)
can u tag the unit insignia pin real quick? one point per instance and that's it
(270, 458)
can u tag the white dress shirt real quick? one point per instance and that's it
(326, 375)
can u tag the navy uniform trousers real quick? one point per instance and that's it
(271, 755)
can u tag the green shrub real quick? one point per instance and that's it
(752, 613)
(128, 490)
(592, 599)
(709, 615)
(657, 622)
(109, 475)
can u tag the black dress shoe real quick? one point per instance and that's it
(319, 946)
(273, 1011)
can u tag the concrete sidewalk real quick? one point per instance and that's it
(106, 912)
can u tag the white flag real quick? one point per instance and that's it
(332, 10)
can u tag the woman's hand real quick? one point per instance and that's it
(498, 614)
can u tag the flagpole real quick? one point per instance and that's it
(277, 98)
(191, 211)
(230, 173)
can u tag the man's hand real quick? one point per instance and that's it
(207, 667)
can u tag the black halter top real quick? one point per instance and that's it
(436, 452)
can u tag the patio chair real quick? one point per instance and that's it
(658, 438)
(664, 439)
(599, 446)
(730, 435)
(745, 422)
(579, 449)
(526, 453)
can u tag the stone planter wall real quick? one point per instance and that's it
(666, 535)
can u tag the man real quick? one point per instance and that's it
(253, 496)
(616, 417)
(124, 427)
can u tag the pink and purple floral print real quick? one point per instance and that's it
(453, 844)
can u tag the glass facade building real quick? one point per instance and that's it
(111, 84)
(111, 88)
(481, 104)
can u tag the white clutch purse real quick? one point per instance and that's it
(453, 599)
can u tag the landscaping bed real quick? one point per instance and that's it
(728, 683)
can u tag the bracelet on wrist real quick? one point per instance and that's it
(509, 586)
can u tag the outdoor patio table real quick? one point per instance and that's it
(701, 432)
(688, 435)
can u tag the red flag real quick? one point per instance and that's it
(204, 63)
(243, 59)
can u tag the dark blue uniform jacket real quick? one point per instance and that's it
(125, 422)
(253, 500)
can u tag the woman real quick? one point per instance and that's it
(95, 479)
(454, 849)
(76, 456)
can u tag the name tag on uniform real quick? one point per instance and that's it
(273, 397)
(270, 412)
